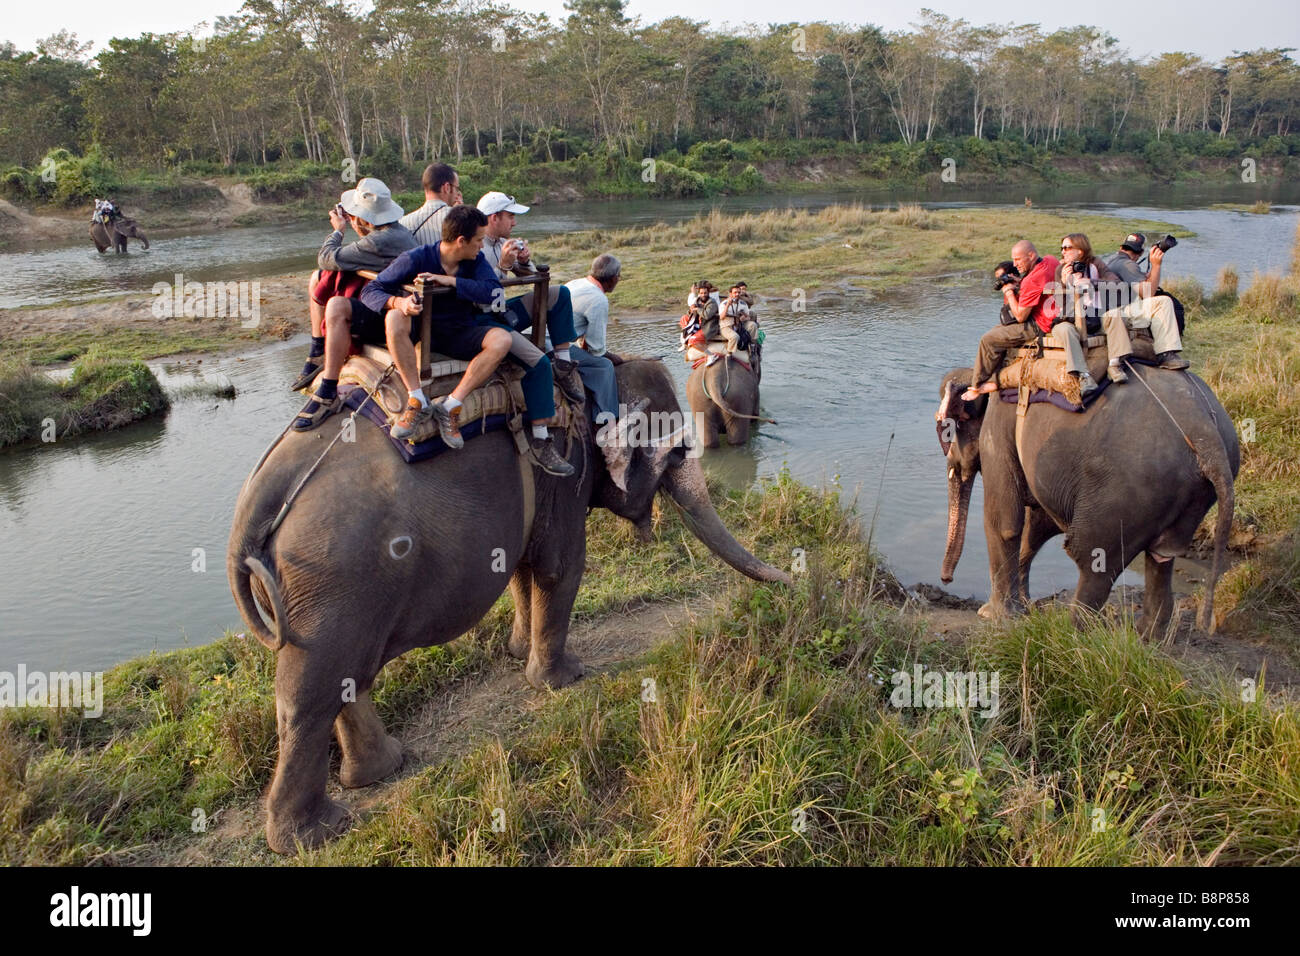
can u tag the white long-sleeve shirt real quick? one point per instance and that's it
(590, 312)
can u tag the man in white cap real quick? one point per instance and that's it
(336, 307)
(507, 255)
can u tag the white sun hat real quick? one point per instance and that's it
(372, 202)
(495, 202)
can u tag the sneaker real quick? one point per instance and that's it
(566, 376)
(414, 416)
(548, 459)
(1116, 374)
(309, 372)
(316, 411)
(1172, 360)
(449, 424)
(1086, 385)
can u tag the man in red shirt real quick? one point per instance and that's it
(1030, 300)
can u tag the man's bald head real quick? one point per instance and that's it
(1024, 255)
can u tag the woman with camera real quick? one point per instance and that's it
(1080, 274)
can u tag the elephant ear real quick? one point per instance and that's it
(612, 439)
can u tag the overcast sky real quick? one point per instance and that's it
(1210, 28)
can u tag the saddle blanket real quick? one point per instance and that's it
(355, 397)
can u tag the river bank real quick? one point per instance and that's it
(770, 703)
(172, 202)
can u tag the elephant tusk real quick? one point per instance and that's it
(952, 473)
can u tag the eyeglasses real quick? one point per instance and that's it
(1066, 248)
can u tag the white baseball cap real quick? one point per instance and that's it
(495, 202)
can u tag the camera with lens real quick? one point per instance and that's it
(1167, 243)
(1079, 268)
(1004, 280)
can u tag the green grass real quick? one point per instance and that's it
(781, 250)
(1246, 349)
(129, 344)
(103, 393)
(771, 739)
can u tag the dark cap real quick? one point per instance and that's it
(1134, 242)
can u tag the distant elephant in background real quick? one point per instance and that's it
(115, 235)
(1133, 474)
(724, 398)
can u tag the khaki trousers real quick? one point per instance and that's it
(1156, 313)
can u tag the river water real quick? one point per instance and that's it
(114, 544)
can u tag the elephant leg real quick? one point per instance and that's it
(369, 754)
(550, 663)
(1158, 596)
(737, 430)
(521, 631)
(306, 704)
(1039, 529)
(1004, 522)
(1099, 565)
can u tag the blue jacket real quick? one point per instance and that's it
(476, 282)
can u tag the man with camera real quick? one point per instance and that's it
(1149, 305)
(1028, 309)
(458, 263)
(506, 255)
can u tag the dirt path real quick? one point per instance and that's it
(498, 701)
(490, 704)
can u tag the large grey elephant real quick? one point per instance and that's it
(1134, 474)
(376, 557)
(115, 235)
(724, 398)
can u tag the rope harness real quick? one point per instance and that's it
(351, 420)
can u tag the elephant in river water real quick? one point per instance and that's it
(115, 235)
(1134, 473)
(376, 557)
(724, 398)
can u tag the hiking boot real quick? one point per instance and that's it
(316, 411)
(309, 372)
(566, 376)
(412, 418)
(1116, 374)
(543, 452)
(1086, 385)
(1172, 360)
(449, 424)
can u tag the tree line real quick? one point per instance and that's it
(421, 79)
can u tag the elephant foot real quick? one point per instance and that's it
(520, 645)
(560, 674)
(1000, 612)
(327, 821)
(374, 766)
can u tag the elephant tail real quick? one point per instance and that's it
(241, 579)
(1212, 456)
(715, 396)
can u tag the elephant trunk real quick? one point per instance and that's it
(685, 483)
(959, 489)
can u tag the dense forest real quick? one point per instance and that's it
(404, 81)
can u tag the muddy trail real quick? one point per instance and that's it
(497, 702)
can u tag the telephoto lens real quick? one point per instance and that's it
(1167, 243)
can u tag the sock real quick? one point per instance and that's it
(418, 395)
(563, 355)
(329, 388)
(539, 431)
(451, 403)
(1114, 363)
(317, 346)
